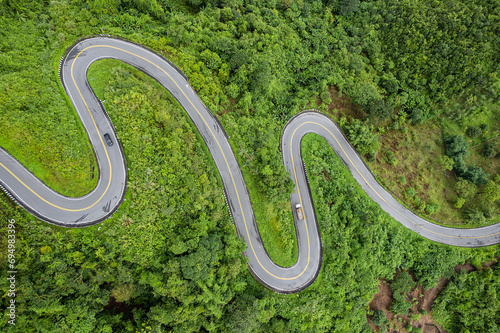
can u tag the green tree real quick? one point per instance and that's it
(417, 116)
(488, 150)
(380, 109)
(361, 136)
(401, 287)
(348, 6)
(390, 84)
(464, 188)
(474, 132)
(198, 264)
(491, 191)
(456, 145)
(366, 95)
(476, 175)
(446, 162)
(470, 302)
(380, 319)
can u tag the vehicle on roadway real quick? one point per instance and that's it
(108, 139)
(299, 212)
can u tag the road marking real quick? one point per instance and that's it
(226, 162)
(105, 150)
(224, 156)
(415, 223)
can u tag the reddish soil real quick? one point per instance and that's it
(341, 105)
(383, 299)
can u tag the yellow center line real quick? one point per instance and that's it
(227, 165)
(418, 225)
(105, 150)
(223, 155)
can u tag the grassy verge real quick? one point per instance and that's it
(275, 235)
(39, 125)
(279, 238)
(408, 166)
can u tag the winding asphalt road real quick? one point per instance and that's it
(30, 193)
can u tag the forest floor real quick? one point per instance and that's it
(420, 313)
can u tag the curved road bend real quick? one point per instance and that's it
(99, 204)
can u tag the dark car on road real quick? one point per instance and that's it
(108, 139)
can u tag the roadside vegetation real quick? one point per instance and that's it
(415, 89)
(405, 306)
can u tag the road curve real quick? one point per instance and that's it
(105, 198)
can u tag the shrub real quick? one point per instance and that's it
(465, 189)
(489, 211)
(474, 132)
(456, 145)
(411, 192)
(475, 216)
(390, 158)
(326, 97)
(459, 202)
(492, 191)
(488, 150)
(446, 162)
(421, 205)
(432, 208)
(372, 156)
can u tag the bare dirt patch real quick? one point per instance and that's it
(341, 105)
(383, 299)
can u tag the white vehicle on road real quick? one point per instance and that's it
(299, 212)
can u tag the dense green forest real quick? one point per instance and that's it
(478, 290)
(414, 84)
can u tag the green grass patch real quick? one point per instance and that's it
(418, 159)
(277, 232)
(39, 126)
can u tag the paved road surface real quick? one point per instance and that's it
(100, 203)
